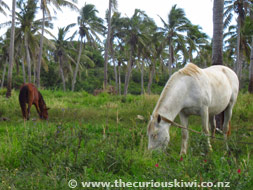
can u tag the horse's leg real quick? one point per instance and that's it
(212, 124)
(205, 121)
(24, 111)
(30, 102)
(29, 110)
(185, 133)
(227, 117)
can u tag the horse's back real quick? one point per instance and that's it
(215, 87)
(224, 86)
(223, 77)
(23, 94)
(27, 91)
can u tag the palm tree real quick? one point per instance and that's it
(26, 38)
(247, 33)
(172, 29)
(132, 38)
(195, 40)
(45, 11)
(11, 55)
(89, 26)
(24, 34)
(4, 57)
(156, 50)
(241, 8)
(112, 4)
(116, 51)
(3, 6)
(250, 88)
(204, 56)
(217, 52)
(217, 58)
(62, 50)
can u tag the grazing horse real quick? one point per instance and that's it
(29, 94)
(193, 91)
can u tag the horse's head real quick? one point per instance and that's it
(44, 113)
(158, 133)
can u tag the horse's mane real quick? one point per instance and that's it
(190, 69)
(41, 100)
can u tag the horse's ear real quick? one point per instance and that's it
(158, 118)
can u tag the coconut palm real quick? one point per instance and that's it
(4, 56)
(247, 33)
(112, 5)
(250, 88)
(3, 6)
(90, 25)
(172, 29)
(11, 55)
(117, 45)
(217, 52)
(195, 40)
(62, 50)
(26, 37)
(156, 52)
(241, 9)
(218, 6)
(132, 36)
(44, 5)
(24, 33)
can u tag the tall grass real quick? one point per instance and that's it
(101, 138)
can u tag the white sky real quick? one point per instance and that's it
(199, 12)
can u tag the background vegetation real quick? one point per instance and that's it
(136, 57)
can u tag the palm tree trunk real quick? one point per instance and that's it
(23, 70)
(129, 71)
(239, 53)
(11, 55)
(3, 76)
(77, 64)
(142, 78)
(28, 59)
(62, 74)
(41, 47)
(115, 74)
(250, 89)
(151, 76)
(107, 45)
(170, 58)
(127, 77)
(119, 80)
(34, 73)
(217, 54)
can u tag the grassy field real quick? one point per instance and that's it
(100, 138)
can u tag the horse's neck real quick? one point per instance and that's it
(173, 100)
(41, 101)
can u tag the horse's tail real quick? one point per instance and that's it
(229, 129)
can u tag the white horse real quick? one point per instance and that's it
(193, 91)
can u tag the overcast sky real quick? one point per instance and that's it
(199, 12)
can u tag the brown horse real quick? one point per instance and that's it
(30, 95)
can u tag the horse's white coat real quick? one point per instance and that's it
(194, 91)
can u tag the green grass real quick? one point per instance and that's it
(100, 138)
